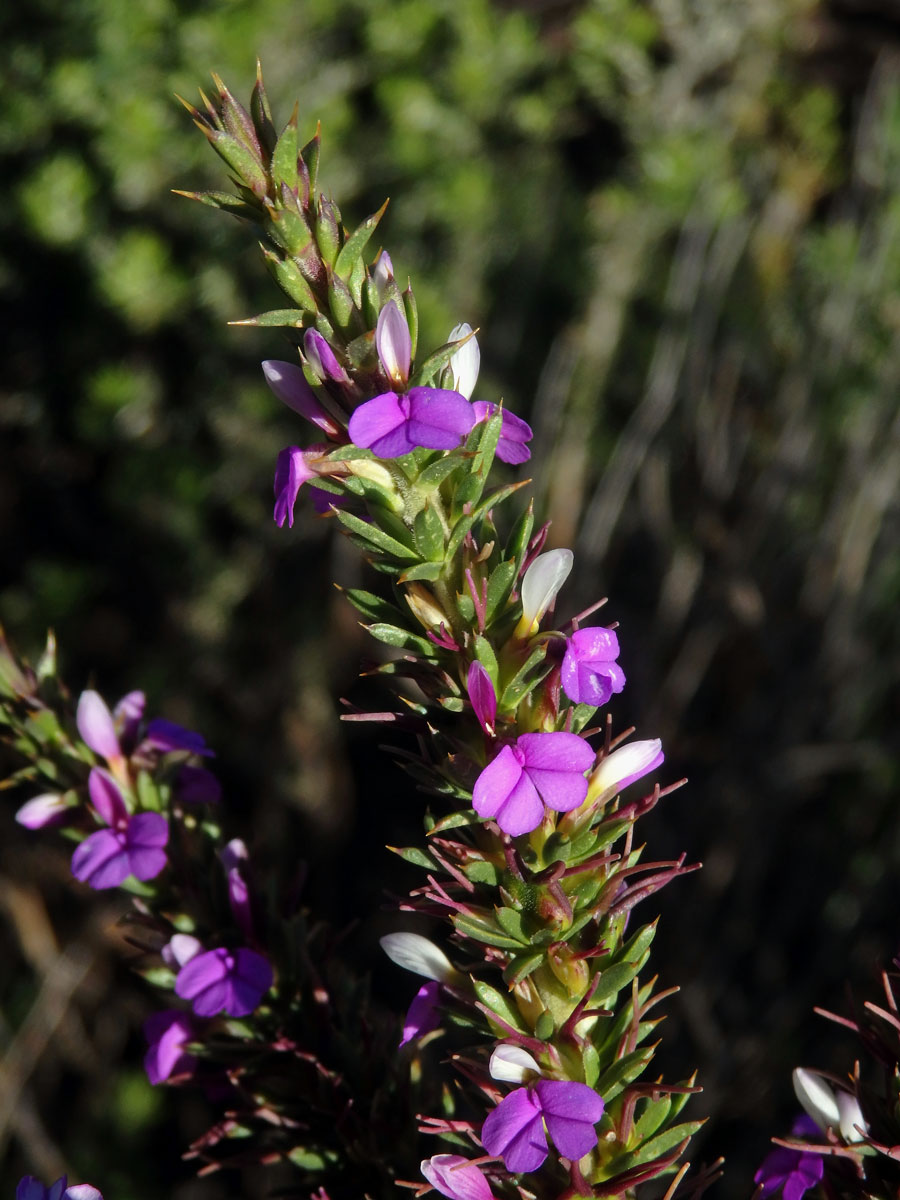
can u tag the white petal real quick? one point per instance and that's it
(415, 953)
(541, 584)
(816, 1098)
(465, 362)
(512, 1064)
(629, 762)
(851, 1116)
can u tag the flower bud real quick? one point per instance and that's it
(625, 765)
(540, 586)
(838, 1111)
(42, 811)
(425, 608)
(512, 1064)
(417, 954)
(394, 344)
(464, 363)
(95, 724)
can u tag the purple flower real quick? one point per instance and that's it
(234, 859)
(127, 715)
(395, 423)
(483, 696)
(167, 1034)
(422, 1015)
(590, 673)
(167, 736)
(456, 1177)
(230, 981)
(289, 384)
(293, 468)
(514, 433)
(791, 1170)
(321, 359)
(392, 425)
(196, 785)
(32, 1189)
(541, 769)
(95, 724)
(131, 846)
(514, 1131)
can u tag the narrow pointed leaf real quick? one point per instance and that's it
(356, 243)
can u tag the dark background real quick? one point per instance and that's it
(676, 225)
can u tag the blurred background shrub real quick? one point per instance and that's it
(677, 225)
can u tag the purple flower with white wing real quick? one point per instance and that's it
(132, 845)
(589, 671)
(397, 422)
(30, 1188)
(517, 1129)
(541, 770)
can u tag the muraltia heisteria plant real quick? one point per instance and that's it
(530, 861)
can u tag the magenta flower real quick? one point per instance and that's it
(395, 423)
(131, 846)
(590, 673)
(293, 468)
(167, 736)
(392, 425)
(791, 1171)
(229, 981)
(483, 696)
(167, 1034)
(41, 811)
(422, 1015)
(514, 1131)
(321, 359)
(540, 770)
(514, 433)
(456, 1177)
(289, 384)
(32, 1189)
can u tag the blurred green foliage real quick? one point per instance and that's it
(677, 226)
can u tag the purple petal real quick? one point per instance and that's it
(30, 1188)
(456, 1177)
(128, 713)
(321, 358)
(380, 425)
(393, 342)
(589, 673)
(101, 860)
(570, 1111)
(514, 433)
(514, 1132)
(95, 724)
(167, 736)
(438, 418)
(483, 696)
(233, 981)
(555, 763)
(167, 1033)
(289, 384)
(196, 785)
(423, 1014)
(42, 811)
(251, 979)
(504, 791)
(201, 974)
(291, 472)
(147, 834)
(106, 798)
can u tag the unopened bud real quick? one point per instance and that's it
(425, 608)
(540, 586)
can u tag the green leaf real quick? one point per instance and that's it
(517, 543)
(310, 156)
(412, 319)
(652, 1116)
(482, 872)
(499, 1004)
(484, 652)
(591, 1062)
(435, 474)
(393, 635)
(278, 318)
(376, 608)
(667, 1140)
(522, 966)
(352, 249)
(290, 279)
(499, 585)
(510, 922)
(288, 230)
(414, 855)
(483, 931)
(371, 535)
(623, 1072)
(515, 689)
(284, 157)
(429, 571)
(239, 159)
(428, 534)
(435, 362)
